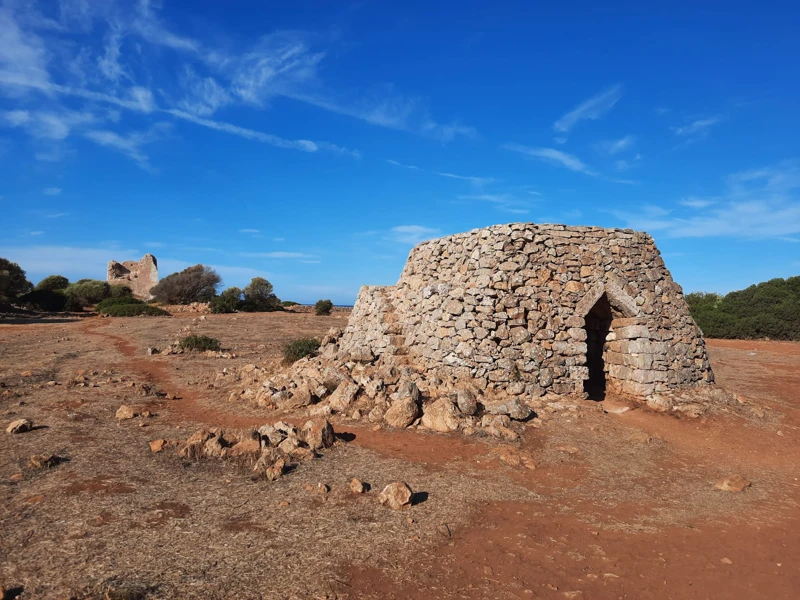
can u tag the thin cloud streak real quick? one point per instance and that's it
(592, 109)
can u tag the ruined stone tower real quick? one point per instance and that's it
(140, 275)
(528, 310)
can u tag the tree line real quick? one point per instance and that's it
(770, 309)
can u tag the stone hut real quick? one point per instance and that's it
(528, 310)
(140, 275)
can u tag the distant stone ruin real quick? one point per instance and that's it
(503, 319)
(141, 276)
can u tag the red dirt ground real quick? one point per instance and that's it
(619, 505)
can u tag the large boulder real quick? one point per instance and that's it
(511, 407)
(467, 403)
(396, 495)
(441, 416)
(19, 426)
(343, 396)
(402, 413)
(317, 433)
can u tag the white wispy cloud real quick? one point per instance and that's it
(412, 234)
(553, 156)
(128, 144)
(478, 181)
(52, 191)
(592, 109)
(503, 202)
(277, 255)
(249, 231)
(760, 203)
(154, 244)
(693, 202)
(34, 233)
(57, 215)
(699, 127)
(628, 163)
(612, 147)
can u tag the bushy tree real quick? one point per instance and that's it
(43, 300)
(117, 290)
(13, 281)
(52, 283)
(194, 284)
(227, 302)
(323, 308)
(767, 310)
(259, 297)
(85, 292)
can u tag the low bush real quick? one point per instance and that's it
(120, 301)
(200, 342)
(288, 303)
(117, 290)
(52, 283)
(195, 284)
(134, 310)
(43, 301)
(227, 302)
(323, 308)
(300, 348)
(88, 291)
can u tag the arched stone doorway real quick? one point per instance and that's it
(605, 309)
(598, 326)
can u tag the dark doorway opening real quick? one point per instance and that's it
(598, 326)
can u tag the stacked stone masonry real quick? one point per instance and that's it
(141, 276)
(528, 310)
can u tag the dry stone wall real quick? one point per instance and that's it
(505, 308)
(141, 276)
(486, 329)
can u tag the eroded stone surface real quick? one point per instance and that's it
(141, 276)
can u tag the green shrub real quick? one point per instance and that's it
(297, 349)
(88, 291)
(119, 301)
(200, 342)
(134, 310)
(194, 284)
(117, 290)
(52, 283)
(13, 281)
(288, 303)
(227, 302)
(259, 297)
(323, 308)
(43, 300)
(770, 309)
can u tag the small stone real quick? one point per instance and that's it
(26, 374)
(396, 495)
(466, 402)
(125, 412)
(357, 486)
(726, 561)
(157, 446)
(317, 433)
(568, 449)
(323, 488)
(734, 483)
(283, 503)
(16, 477)
(44, 461)
(146, 414)
(19, 426)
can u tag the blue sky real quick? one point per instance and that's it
(314, 143)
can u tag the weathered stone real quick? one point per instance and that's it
(157, 446)
(301, 397)
(141, 276)
(734, 483)
(396, 495)
(440, 415)
(245, 448)
(125, 412)
(357, 486)
(512, 407)
(317, 433)
(467, 403)
(19, 426)
(343, 396)
(402, 412)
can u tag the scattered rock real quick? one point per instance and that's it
(357, 486)
(396, 495)
(16, 477)
(513, 408)
(466, 401)
(726, 561)
(568, 449)
(245, 447)
(19, 426)
(125, 412)
(44, 461)
(402, 412)
(157, 446)
(440, 415)
(317, 433)
(734, 483)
